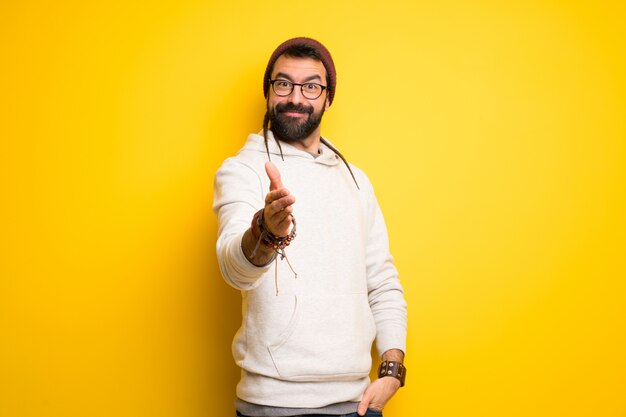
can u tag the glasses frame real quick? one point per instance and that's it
(293, 85)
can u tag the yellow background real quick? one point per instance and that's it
(494, 134)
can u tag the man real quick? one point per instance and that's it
(313, 302)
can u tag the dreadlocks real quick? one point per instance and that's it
(324, 141)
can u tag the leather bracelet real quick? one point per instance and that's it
(393, 369)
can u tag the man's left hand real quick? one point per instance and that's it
(377, 394)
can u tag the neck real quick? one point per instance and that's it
(310, 146)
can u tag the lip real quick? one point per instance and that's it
(294, 114)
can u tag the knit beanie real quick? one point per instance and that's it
(325, 57)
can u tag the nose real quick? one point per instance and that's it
(296, 96)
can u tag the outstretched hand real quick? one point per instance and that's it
(278, 204)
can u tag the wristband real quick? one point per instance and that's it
(394, 369)
(278, 244)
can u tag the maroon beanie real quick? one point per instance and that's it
(324, 55)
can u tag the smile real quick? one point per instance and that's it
(294, 113)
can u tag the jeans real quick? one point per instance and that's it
(369, 413)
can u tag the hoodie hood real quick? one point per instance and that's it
(255, 142)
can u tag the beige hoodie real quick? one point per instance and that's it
(309, 346)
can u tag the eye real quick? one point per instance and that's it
(283, 84)
(311, 87)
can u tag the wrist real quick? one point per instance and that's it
(256, 253)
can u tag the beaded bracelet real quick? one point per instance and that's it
(278, 244)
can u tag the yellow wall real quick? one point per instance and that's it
(494, 133)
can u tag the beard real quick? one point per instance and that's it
(291, 129)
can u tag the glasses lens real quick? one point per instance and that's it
(282, 87)
(311, 91)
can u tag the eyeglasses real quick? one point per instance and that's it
(310, 91)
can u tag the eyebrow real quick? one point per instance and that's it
(286, 76)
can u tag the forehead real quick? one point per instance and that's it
(297, 69)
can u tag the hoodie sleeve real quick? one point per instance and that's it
(238, 194)
(385, 293)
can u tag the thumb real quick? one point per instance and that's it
(364, 404)
(274, 176)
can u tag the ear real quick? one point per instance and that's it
(326, 103)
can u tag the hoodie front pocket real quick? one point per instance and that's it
(328, 338)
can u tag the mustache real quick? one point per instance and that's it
(290, 107)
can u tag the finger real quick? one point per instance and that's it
(284, 225)
(274, 215)
(365, 402)
(280, 226)
(281, 204)
(275, 195)
(281, 220)
(274, 176)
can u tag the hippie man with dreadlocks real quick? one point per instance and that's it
(315, 296)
